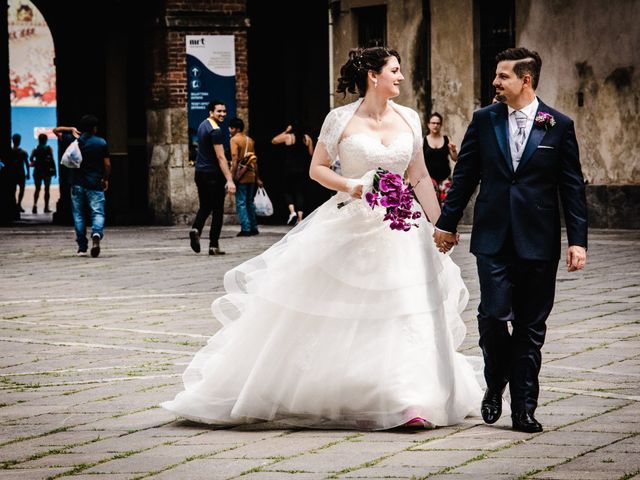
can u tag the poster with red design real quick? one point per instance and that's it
(32, 75)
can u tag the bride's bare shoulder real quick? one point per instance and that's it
(407, 111)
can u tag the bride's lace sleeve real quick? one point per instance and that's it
(330, 134)
(334, 124)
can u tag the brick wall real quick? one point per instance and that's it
(168, 69)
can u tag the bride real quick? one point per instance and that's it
(344, 323)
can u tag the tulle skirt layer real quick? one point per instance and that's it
(343, 323)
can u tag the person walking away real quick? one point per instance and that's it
(89, 182)
(243, 152)
(44, 167)
(297, 159)
(19, 168)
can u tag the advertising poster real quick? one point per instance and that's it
(211, 74)
(32, 76)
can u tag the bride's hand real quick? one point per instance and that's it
(356, 192)
(354, 188)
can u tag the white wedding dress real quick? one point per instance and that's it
(344, 323)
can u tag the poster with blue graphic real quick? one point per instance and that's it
(211, 74)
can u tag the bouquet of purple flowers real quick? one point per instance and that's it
(389, 191)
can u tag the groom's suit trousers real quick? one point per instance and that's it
(521, 292)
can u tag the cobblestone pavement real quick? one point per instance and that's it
(89, 347)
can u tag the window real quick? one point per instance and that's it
(372, 25)
(497, 33)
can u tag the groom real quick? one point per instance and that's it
(525, 156)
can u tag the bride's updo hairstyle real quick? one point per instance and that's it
(353, 74)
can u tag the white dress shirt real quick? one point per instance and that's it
(530, 111)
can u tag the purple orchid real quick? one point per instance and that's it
(372, 199)
(544, 120)
(389, 191)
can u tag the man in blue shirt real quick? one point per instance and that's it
(213, 178)
(88, 182)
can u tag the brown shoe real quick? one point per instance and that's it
(95, 248)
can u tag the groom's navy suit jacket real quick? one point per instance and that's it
(521, 204)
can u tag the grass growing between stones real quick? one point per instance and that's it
(31, 437)
(118, 456)
(81, 467)
(563, 462)
(177, 464)
(627, 476)
(145, 409)
(54, 451)
(208, 455)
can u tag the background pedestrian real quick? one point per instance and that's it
(244, 169)
(297, 159)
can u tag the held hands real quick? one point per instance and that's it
(576, 258)
(230, 186)
(445, 241)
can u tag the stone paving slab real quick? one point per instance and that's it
(90, 347)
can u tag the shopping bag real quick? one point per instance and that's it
(264, 207)
(72, 157)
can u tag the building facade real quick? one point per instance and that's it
(126, 63)
(590, 72)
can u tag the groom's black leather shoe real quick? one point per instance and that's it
(524, 421)
(491, 407)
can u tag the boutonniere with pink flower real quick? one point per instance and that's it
(544, 120)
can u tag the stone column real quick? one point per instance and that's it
(172, 193)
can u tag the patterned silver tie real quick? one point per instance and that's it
(521, 121)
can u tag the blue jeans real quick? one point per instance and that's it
(245, 206)
(81, 199)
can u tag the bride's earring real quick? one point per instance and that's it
(375, 84)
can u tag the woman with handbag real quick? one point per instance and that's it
(244, 168)
(44, 167)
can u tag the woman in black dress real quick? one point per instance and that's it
(437, 152)
(297, 159)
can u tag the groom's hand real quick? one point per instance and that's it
(445, 240)
(576, 258)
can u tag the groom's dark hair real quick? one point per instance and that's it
(527, 61)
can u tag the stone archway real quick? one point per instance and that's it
(32, 92)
